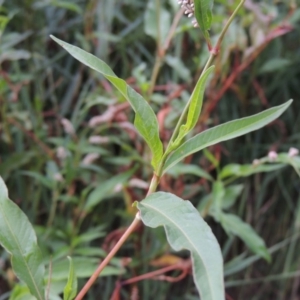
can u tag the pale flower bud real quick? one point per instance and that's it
(256, 162)
(61, 152)
(293, 152)
(118, 188)
(58, 177)
(272, 155)
(97, 139)
(135, 182)
(90, 158)
(68, 127)
(105, 117)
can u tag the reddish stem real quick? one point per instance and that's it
(111, 254)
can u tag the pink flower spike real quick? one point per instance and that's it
(272, 155)
(293, 152)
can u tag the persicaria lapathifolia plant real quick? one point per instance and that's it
(185, 228)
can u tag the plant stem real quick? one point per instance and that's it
(156, 68)
(156, 177)
(213, 54)
(229, 21)
(110, 255)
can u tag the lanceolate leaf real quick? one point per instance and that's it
(145, 119)
(225, 132)
(185, 229)
(197, 99)
(195, 107)
(70, 289)
(203, 14)
(181, 169)
(236, 170)
(18, 238)
(233, 224)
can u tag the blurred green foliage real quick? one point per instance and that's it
(66, 139)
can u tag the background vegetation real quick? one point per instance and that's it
(76, 183)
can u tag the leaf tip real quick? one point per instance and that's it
(3, 188)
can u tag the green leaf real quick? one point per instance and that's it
(145, 119)
(195, 106)
(67, 5)
(233, 224)
(106, 188)
(203, 15)
(275, 64)
(225, 132)
(185, 229)
(84, 266)
(231, 194)
(229, 197)
(181, 169)
(70, 289)
(196, 100)
(218, 193)
(21, 292)
(15, 161)
(18, 238)
(237, 170)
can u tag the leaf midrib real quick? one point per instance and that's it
(206, 268)
(20, 250)
(220, 139)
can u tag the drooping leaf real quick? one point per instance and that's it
(106, 188)
(70, 289)
(18, 238)
(14, 162)
(225, 132)
(234, 225)
(84, 266)
(228, 199)
(185, 229)
(218, 192)
(195, 106)
(181, 169)
(145, 119)
(237, 170)
(231, 194)
(275, 64)
(203, 15)
(41, 179)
